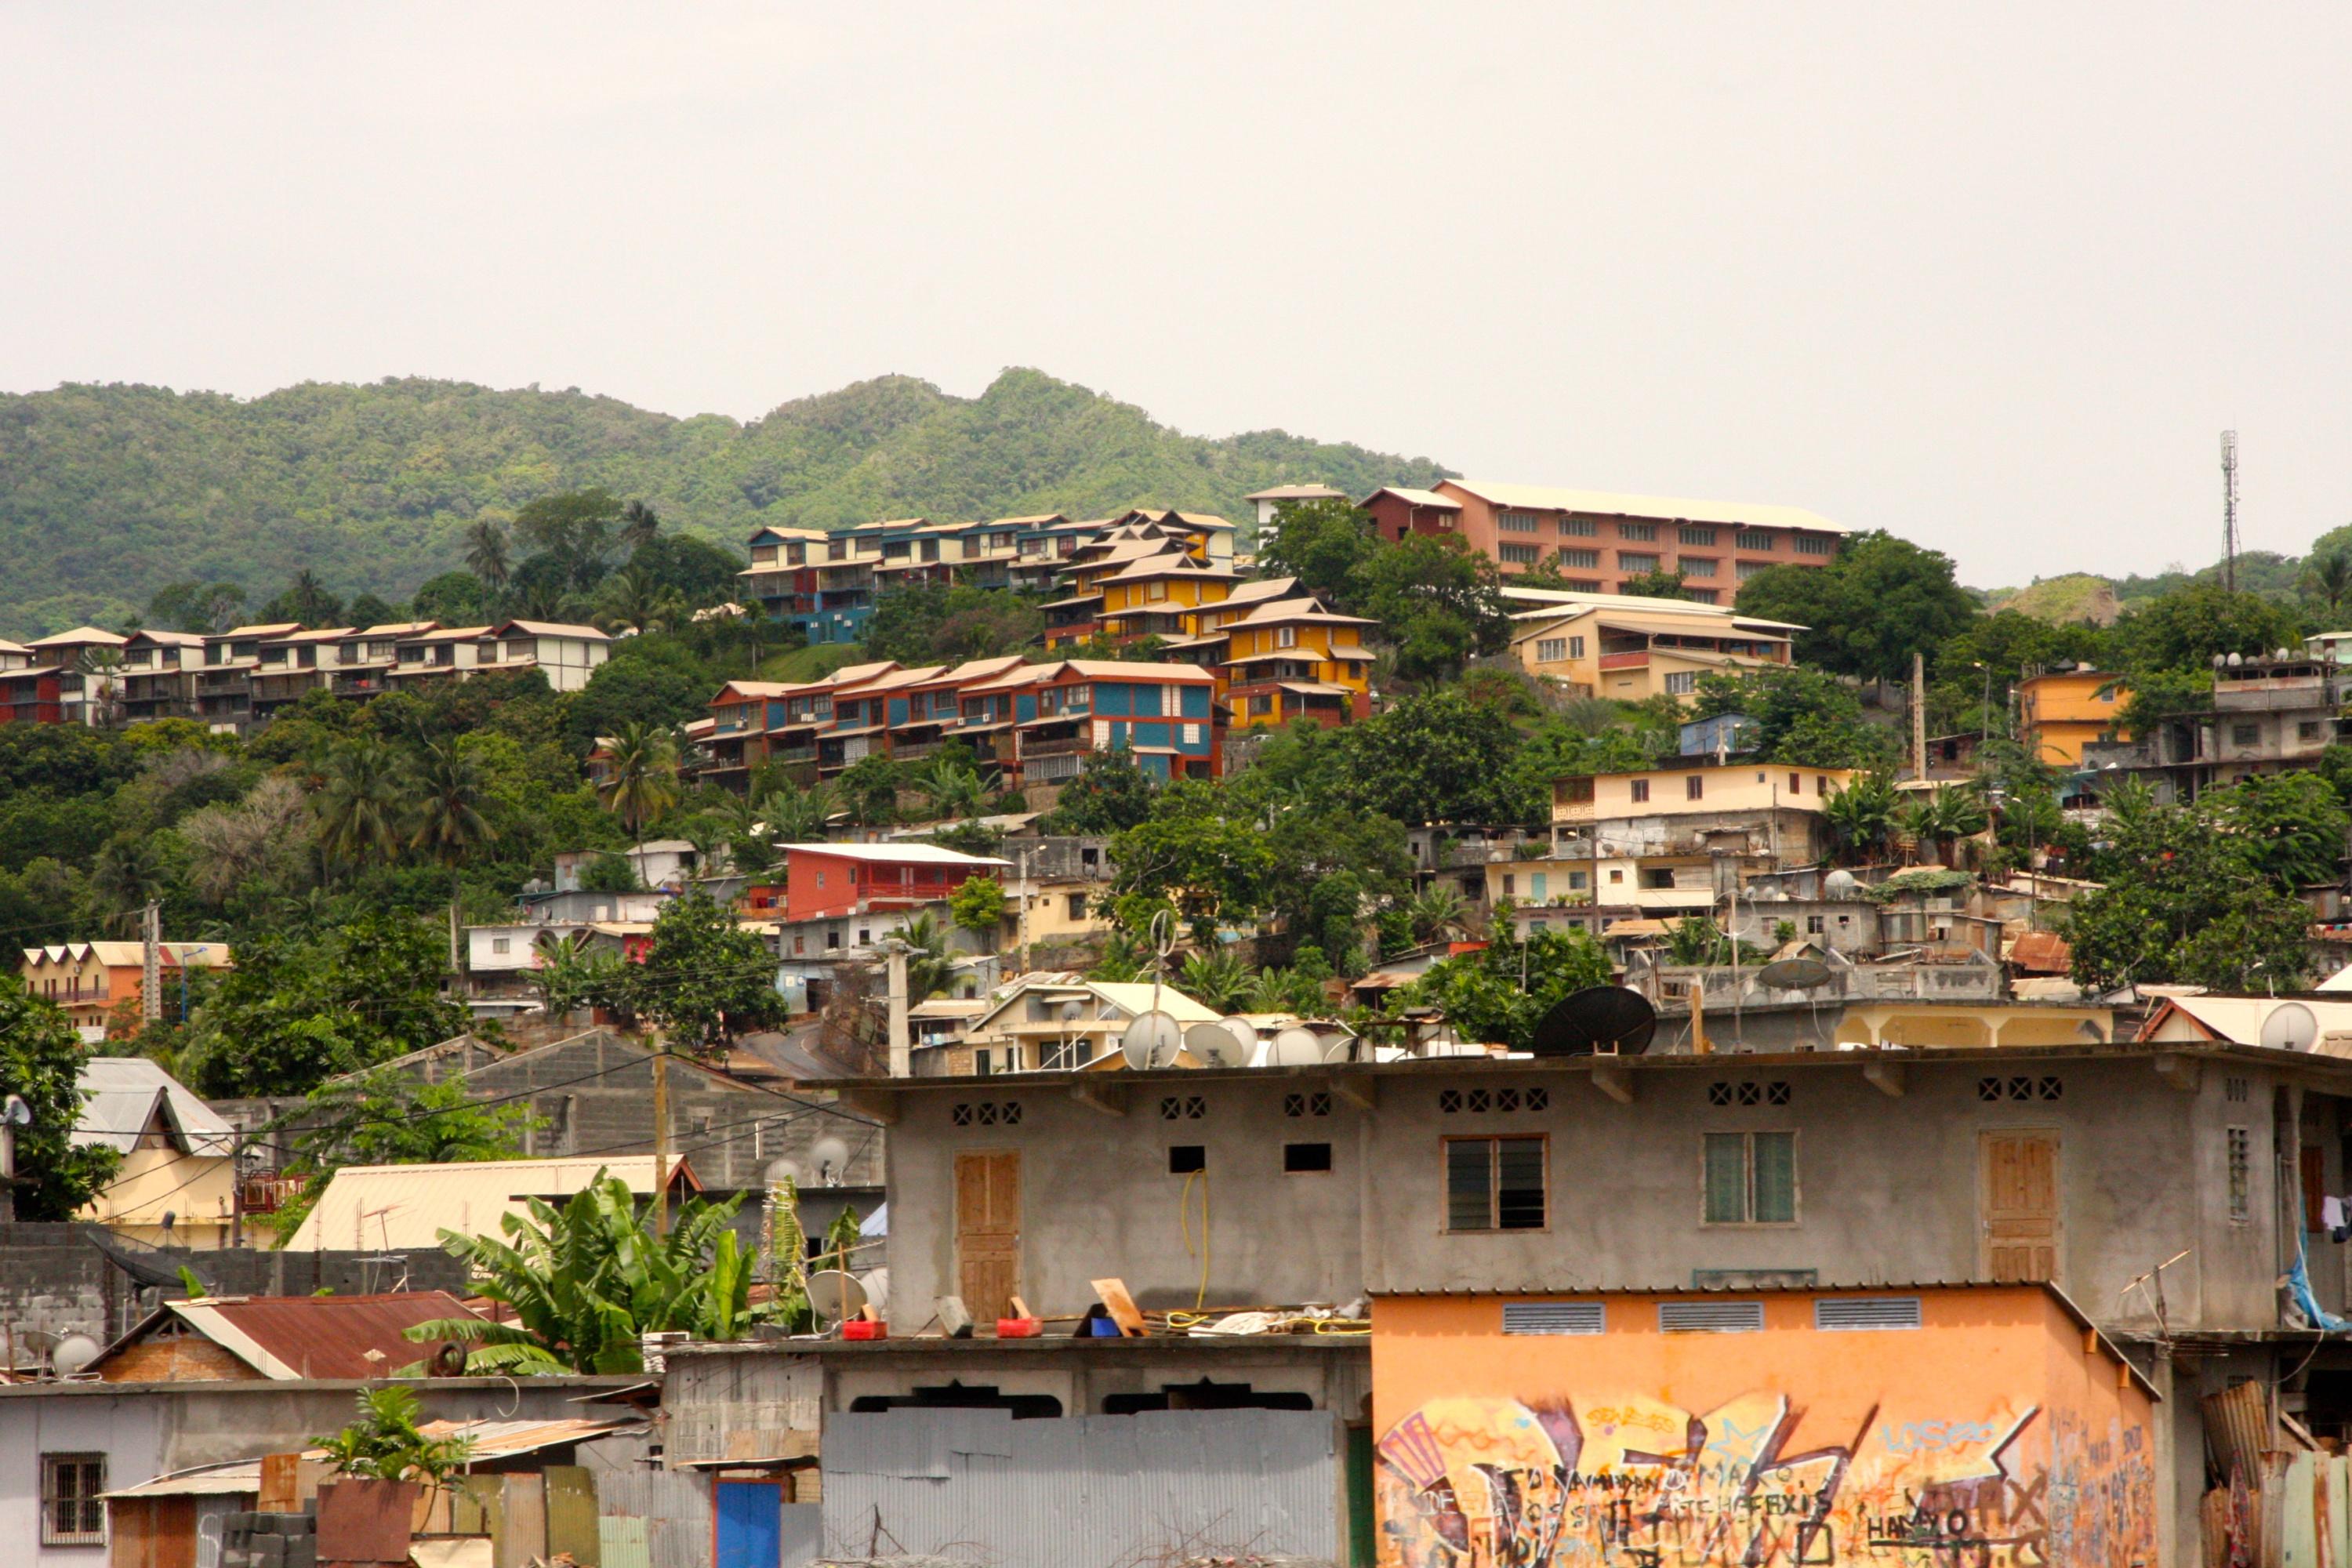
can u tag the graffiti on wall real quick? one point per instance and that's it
(1633, 1483)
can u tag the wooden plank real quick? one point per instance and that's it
(1113, 1294)
(525, 1540)
(175, 1536)
(281, 1487)
(571, 1514)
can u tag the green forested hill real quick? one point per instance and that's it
(108, 493)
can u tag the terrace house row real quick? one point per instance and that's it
(1598, 539)
(239, 679)
(826, 584)
(1033, 724)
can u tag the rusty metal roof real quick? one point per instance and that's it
(505, 1440)
(289, 1337)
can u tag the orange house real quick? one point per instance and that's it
(2059, 712)
(1899, 1426)
(87, 980)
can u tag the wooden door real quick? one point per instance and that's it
(2020, 1203)
(988, 1231)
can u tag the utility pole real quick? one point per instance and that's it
(1918, 718)
(901, 1049)
(2230, 511)
(150, 962)
(661, 1138)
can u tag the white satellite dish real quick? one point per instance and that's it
(1152, 1041)
(2292, 1026)
(782, 1169)
(1227, 1043)
(1340, 1046)
(1296, 1047)
(72, 1353)
(836, 1295)
(830, 1156)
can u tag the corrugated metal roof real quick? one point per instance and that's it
(407, 1207)
(289, 1336)
(492, 1440)
(213, 1480)
(123, 1095)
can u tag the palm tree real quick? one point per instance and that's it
(953, 789)
(930, 969)
(103, 666)
(1435, 913)
(2329, 577)
(128, 875)
(1217, 980)
(640, 780)
(631, 599)
(799, 816)
(486, 551)
(450, 824)
(359, 809)
(639, 526)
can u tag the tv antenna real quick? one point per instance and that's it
(2230, 511)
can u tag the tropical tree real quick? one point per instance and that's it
(952, 788)
(1436, 912)
(640, 782)
(451, 824)
(583, 1283)
(101, 670)
(360, 808)
(1695, 941)
(40, 1060)
(639, 526)
(704, 978)
(2328, 578)
(631, 600)
(930, 969)
(128, 875)
(800, 815)
(869, 789)
(386, 1443)
(1861, 816)
(1215, 979)
(486, 552)
(977, 905)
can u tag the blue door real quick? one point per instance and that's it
(750, 1525)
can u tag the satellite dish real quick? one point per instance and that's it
(17, 1113)
(835, 1294)
(1152, 1041)
(2292, 1026)
(831, 1157)
(785, 1169)
(1072, 1011)
(1596, 1018)
(1840, 884)
(1794, 974)
(73, 1353)
(1227, 1043)
(1296, 1047)
(1339, 1048)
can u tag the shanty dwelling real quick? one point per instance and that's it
(1784, 1422)
(219, 1383)
(2166, 1189)
(1051, 1451)
(177, 1185)
(591, 1096)
(573, 1484)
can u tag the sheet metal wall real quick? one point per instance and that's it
(1083, 1491)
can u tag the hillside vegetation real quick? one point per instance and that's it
(108, 493)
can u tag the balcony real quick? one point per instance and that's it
(1058, 746)
(1634, 660)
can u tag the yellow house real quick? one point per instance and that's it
(2059, 712)
(1078, 615)
(1294, 660)
(87, 981)
(1628, 649)
(177, 1182)
(1160, 596)
(1659, 839)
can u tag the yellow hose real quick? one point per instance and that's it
(1184, 1220)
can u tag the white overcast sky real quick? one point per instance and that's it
(1992, 278)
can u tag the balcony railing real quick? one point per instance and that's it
(1058, 746)
(1625, 661)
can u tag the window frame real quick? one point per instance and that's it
(1746, 1137)
(52, 1462)
(1542, 1141)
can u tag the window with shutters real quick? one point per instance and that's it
(1588, 558)
(1493, 1183)
(2241, 1175)
(1696, 566)
(1813, 544)
(1692, 533)
(1581, 526)
(1750, 1178)
(1681, 682)
(1550, 650)
(1695, 787)
(1637, 530)
(1747, 540)
(71, 1513)
(1641, 790)
(1521, 555)
(1636, 560)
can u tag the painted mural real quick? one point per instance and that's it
(1631, 1483)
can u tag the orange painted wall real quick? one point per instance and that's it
(1986, 1436)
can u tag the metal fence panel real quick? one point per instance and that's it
(1097, 1491)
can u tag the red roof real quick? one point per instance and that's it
(313, 1336)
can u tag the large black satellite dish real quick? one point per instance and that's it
(1595, 1019)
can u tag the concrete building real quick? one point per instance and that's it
(1679, 838)
(1628, 649)
(659, 863)
(1267, 503)
(90, 982)
(2264, 716)
(177, 1185)
(2061, 712)
(1598, 539)
(1058, 1023)
(1750, 1424)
